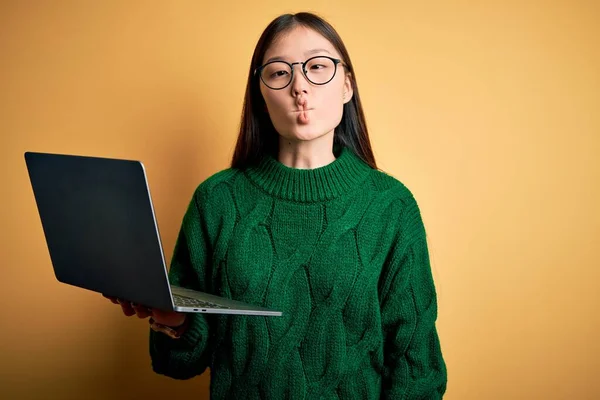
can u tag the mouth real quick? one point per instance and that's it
(307, 109)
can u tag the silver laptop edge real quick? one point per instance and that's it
(235, 307)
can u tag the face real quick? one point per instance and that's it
(303, 111)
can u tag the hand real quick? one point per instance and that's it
(169, 318)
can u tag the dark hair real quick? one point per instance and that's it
(258, 137)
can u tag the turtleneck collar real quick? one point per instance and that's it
(309, 185)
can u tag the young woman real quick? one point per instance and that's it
(303, 222)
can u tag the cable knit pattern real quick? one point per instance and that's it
(342, 251)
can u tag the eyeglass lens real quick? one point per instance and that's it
(319, 70)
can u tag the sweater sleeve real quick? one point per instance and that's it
(187, 356)
(414, 366)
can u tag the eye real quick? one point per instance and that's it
(279, 73)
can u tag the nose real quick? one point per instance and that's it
(299, 83)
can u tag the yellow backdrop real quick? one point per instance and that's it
(488, 111)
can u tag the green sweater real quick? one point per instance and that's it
(342, 251)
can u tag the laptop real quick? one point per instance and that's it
(101, 231)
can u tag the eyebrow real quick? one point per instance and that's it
(309, 52)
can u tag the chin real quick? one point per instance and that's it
(305, 134)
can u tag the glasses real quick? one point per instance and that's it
(319, 70)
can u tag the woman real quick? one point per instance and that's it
(303, 222)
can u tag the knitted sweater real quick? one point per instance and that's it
(341, 250)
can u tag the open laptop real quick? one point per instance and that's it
(102, 235)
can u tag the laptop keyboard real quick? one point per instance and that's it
(182, 301)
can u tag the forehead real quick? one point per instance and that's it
(298, 43)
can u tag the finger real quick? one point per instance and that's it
(141, 311)
(127, 308)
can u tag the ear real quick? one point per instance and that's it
(348, 91)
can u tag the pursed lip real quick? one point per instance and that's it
(307, 109)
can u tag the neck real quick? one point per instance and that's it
(306, 154)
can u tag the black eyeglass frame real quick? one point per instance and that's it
(336, 61)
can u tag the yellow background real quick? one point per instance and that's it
(487, 110)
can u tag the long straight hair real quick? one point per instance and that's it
(258, 137)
